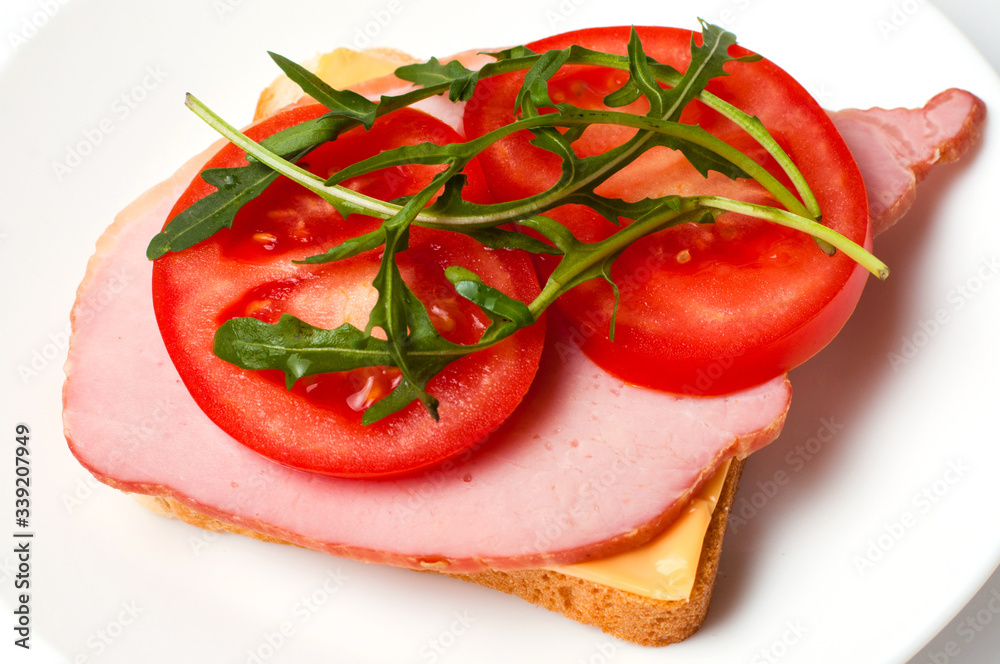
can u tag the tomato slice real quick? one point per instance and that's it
(704, 309)
(248, 271)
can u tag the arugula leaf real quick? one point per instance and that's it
(615, 209)
(642, 77)
(707, 62)
(389, 312)
(624, 95)
(534, 92)
(342, 103)
(397, 311)
(702, 158)
(296, 347)
(402, 396)
(461, 81)
(583, 261)
(514, 53)
(205, 217)
(424, 354)
(235, 187)
(348, 248)
(420, 153)
(500, 307)
(499, 238)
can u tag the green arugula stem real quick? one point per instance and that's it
(704, 139)
(690, 210)
(784, 218)
(598, 252)
(337, 196)
(755, 128)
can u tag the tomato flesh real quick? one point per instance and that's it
(248, 271)
(704, 309)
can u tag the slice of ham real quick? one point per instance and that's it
(896, 148)
(587, 467)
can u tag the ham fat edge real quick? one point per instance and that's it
(587, 466)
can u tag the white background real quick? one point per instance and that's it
(980, 21)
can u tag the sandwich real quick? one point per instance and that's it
(549, 464)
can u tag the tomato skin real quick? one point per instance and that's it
(317, 425)
(704, 309)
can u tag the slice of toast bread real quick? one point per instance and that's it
(627, 616)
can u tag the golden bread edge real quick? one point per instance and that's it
(624, 615)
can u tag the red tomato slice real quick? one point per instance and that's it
(247, 271)
(705, 309)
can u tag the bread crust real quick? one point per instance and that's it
(624, 615)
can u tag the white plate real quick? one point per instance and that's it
(110, 583)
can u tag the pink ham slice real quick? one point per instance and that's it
(587, 467)
(896, 148)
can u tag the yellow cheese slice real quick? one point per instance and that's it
(343, 67)
(664, 568)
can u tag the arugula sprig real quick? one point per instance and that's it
(216, 211)
(411, 342)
